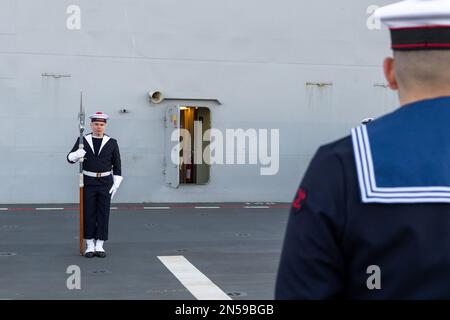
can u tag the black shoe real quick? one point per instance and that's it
(100, 254)
(89, 254)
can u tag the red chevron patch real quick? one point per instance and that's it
(301, 196)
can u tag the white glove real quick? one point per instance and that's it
(77, 155)
(117, 182)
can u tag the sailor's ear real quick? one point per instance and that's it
(388, 66)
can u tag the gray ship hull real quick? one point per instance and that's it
(264, 61)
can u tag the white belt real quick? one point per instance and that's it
(96, 174)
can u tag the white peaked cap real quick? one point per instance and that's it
(99, 116)
(418, 24)
(415, 13)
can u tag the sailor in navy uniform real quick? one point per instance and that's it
(371, 218)
(102, 177)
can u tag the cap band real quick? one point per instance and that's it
(98, 120)
(421, 38)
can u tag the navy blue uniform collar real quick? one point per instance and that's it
(404, 157)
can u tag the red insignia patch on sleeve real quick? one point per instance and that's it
(301, 196)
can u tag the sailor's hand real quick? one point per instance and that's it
(77, 155)
(113, 191)
(80, 153)
(115, 186)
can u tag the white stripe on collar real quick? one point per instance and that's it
(104, 141)
(89, 140)
(371, 193)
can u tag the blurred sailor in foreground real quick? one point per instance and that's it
(371, 218)
(102, 177)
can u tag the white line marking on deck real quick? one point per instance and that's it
(155, 208)
(113, 208)
(49, 209)
(196, 282)
(3, 209)
(207, 207)
(256, 207)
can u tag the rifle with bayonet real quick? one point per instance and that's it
(81, 117)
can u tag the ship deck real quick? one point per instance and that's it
(209, 249)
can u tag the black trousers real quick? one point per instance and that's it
(97, 201)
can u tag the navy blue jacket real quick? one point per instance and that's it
(332, 237)
(108, 159)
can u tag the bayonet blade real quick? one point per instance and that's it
(81, 115)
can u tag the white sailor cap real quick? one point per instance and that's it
(417, 24)
(99, 116)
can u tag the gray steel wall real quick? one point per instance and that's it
(253, 55)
